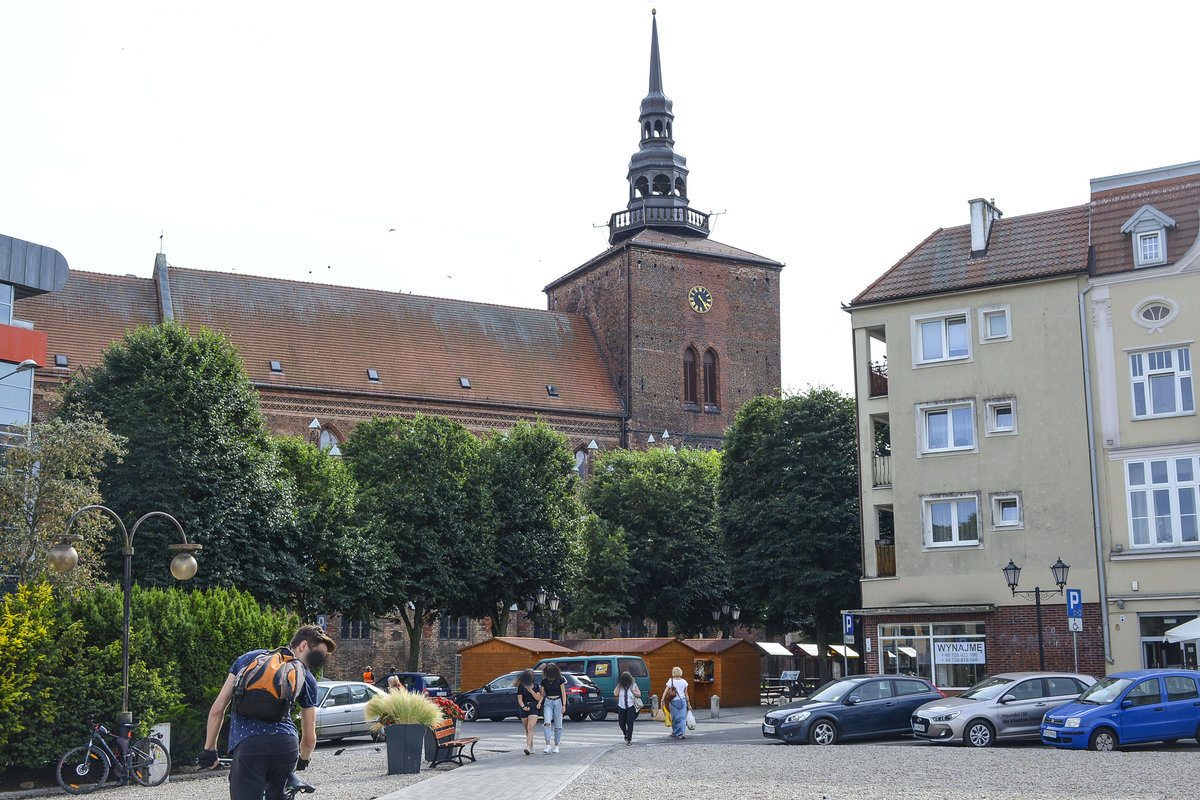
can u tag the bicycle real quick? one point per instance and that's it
(84, 769)
(295, 784)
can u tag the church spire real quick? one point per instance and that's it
(657, 174)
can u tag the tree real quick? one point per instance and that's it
(44, 478)
(600, 577)
(337, 560)
(530, 520)
(197, 449)
(419, 500)
(789, 504)
(666, 503)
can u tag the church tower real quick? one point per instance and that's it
(689, 327)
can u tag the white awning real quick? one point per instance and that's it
(842, 650)
(1187, 632)
(809, 649)
(773, 649)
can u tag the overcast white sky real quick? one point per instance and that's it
(286, 139)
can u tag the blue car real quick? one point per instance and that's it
(860, 707)
(419, 683)
(1142, 705)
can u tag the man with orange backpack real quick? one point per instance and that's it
(263, 687)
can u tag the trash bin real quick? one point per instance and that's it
(163, 731)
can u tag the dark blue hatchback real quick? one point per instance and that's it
(860, 707)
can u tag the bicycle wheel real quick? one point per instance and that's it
(150, 762)
(82, 770)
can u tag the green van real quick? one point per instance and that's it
(604, 671)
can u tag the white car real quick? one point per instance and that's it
(340, 707)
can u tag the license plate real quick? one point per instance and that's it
(920, 726)
(1050, 734)
(768, 728)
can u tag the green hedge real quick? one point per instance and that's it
(60, 663)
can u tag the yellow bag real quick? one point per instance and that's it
(667, 715)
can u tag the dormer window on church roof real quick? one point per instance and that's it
(1148, 231)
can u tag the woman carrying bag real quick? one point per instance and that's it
(629, 702)
(675, 698)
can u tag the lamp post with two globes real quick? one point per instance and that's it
(1012, 573)
(63, 558)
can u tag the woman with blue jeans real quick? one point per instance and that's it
(554, 700)
(679, 704)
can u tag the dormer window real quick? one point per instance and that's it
(276, 368)
(1148, 232)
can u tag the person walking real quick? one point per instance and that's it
(626, 692)
(554, 701)
(676, 696)
(528, 700)
(265, 752)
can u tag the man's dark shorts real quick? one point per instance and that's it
(262, 763)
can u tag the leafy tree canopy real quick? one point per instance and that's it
(197, 450)
(666, 502)
(599, 581)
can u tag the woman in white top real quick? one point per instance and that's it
(679, 704)
(626, 691)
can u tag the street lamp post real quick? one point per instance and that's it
(63, 557)
(727, 612)
(1012, 573)
(544, 598)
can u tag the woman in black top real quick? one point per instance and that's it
(529, 697)
(554, 701)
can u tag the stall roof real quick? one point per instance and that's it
(628, 645)
(773, 649)
(842, 650)
(712, 645)
(525, 643)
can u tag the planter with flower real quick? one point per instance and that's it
(404, 717)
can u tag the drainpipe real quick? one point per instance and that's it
(1091, 425)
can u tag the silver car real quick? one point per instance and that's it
(340, 707)
(1006, 706)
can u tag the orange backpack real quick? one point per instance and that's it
(267, 687)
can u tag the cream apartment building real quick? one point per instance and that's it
(974, 450)
(1143, 308)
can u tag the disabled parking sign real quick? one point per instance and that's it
(1075, 603)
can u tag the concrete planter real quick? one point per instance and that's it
(404, 746)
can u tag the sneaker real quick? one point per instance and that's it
(547, 750)
(526, 751)
(555, 750)
(628, 743)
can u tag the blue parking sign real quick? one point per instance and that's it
(322, 621)
(1075, 603)
(848, 624)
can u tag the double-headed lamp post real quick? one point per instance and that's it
(727, 611)
(1012, 573)
(544, 598)
(63, 558)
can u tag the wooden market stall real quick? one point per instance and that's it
(487, 660)
(660, 655)
(727, 668)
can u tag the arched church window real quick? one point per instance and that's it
(646, 130)
(680, 190)
(658, 129)
(689, 376)
(710, 379)
(581, 463)
(328, 439)
(662, 185)
(668, 130)
(642, 186)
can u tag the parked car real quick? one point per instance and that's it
(852, 708)
(423, 682)
(1141, 705)
(340, 707)
(604, 671)
(1006, 706)
(498, 699)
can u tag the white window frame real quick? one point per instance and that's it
(1154, 326)
(1139, 238)
(927, 503)
(987, 313)
(924, 410)
(991, 428)
(1172, 490)
(996, 501)
(918, 356)
(1141, 370)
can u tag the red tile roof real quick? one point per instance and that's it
(329, 336)
(1178, 198)
(712, 645)
(1042, 245)
(617, 645)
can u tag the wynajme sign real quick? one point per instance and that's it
(959, 652)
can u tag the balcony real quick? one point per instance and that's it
(881, 471)
(885, 558)
(624, 223)
(877, 379)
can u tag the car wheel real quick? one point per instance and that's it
(598, 716)
(577, 717)
(496, 719)
(470, 710)
(979, 733)
(823, 731)
(1103, 740)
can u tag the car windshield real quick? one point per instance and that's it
(988, 689)
(834, 692)
(1105, 691)
(322, 693)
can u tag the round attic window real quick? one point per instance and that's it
(1154, 313)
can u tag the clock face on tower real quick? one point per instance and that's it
(700, 299)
